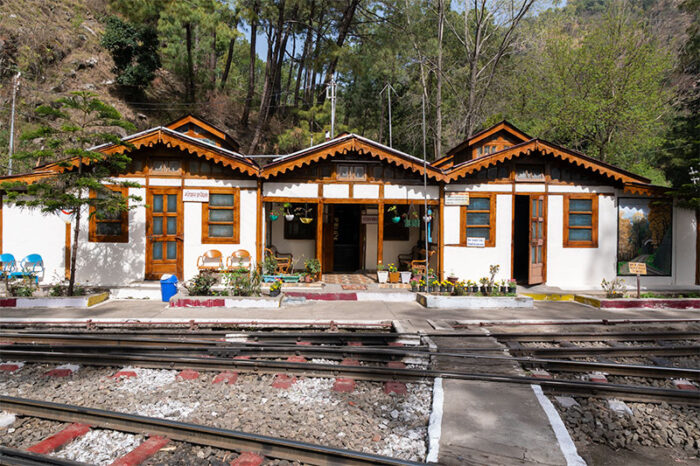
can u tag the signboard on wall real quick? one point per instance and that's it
(370, 219)
(195, 195)
(475, 242)
(638, 268)
(457, 198)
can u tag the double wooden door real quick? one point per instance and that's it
(164, 232)
(537, 245)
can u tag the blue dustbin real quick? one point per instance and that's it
(168, 287)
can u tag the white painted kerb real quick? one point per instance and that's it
(565, 442)
(435, 423)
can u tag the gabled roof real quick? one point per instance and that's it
(149, 138)
(224, 139)
(481, 135)
(538, 146)
(343, 145)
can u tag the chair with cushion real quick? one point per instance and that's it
(238, 260)
(210, 260)
(30, 266)
(8, 264)
(284, 261)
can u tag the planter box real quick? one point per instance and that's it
(226, 301)
(473, 302)
(82, 302)
(641, 303)
(288, 278)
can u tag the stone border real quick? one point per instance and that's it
(226, 301)
(432, 301)
(642, 303)
(81, 302)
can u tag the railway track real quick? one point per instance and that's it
(372, 373)
(273, 447)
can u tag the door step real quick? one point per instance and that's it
(137, 290)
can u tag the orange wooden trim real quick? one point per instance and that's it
(594, 222)
(441, 238)
(319, 232)
(1, 220)
(93, 237)
(192, 119)
(543, 148)
(380, 233)
(235, 239)
(492, 219)
(67, 251)
(328, 200)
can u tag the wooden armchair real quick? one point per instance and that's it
(284, 261)
(210, 260)
(420, 265)
(238, 260)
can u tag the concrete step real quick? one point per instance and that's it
(137, 290)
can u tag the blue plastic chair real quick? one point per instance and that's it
(8, 264)
(30, 266)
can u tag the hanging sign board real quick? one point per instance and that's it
(457, 198)
(638, 268)
(370, 219)
(476, 242)
(195, 195)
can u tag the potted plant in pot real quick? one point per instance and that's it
(274, 214)
(312, 267)
(394, 212)
(421, 286)
(512, 286)
(460, 289)
(382, 273)
(288, 213)
(485, 288)
(394, 275)
(434, 285)
(472, 287)
(303, 213)
(415, 283)
(276, 287)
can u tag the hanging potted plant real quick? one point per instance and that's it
(288, 214)
(304, 215)
(394, 275)
(382, 273)
(394, 211)
(274, 214)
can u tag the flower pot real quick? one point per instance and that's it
(274, 217)
(450, 288)
(396, 219)
(421, 288)
(289, 217)
(275, 292)
(382, 276)
(489, 289)
(306, 220)
(452, 280)
(430, 288)
(414, 288)
(511, 290)
(473, 289)
(443, 288)
(394, 277)
(308, 279)
(405, 277)
(427, 218)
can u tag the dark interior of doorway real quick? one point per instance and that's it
(521, 238)
(346, 238)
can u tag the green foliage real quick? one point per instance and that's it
(613, 288)
(269, 265)
(61, 289)
(22, 287)
(312, 266)
(243, 284)
(201, 284)
(134, 50)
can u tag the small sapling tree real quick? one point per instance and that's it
(71, 128)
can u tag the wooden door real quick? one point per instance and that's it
(164, 232)
(537, 252)
(328, 237)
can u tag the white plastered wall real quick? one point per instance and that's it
(29, 231)
(473, 263)
(301, 249)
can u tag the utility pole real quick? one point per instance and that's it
(331, 94)
(426, 217)
(389, 89)
(15, 88)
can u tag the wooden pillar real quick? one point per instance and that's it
(441, 241)
(259, 227)
(67, 252)
(380, 233)
(319, 233)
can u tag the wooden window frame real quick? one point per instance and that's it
(352, 177)
(593, 243)
(491, 242)
(236, 238)
(93, 237)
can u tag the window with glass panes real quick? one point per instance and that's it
(581, 221)
(220, 216)
(108, 226)
(478, 219)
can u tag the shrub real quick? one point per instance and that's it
(243, 284)
(22, 288)
(269, 265)
(134, 50)
(312, 266)
(201, 284)
(61, 289)
(613, 288)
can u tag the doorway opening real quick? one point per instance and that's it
(347, 229)
(521, 238)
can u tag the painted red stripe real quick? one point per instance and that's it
(323, 296)
(8, 302)
(52, 443)
(141, 453)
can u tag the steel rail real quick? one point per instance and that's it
(628, 392)
(274, 447)
(332, 353)
(15, 457)
(686, 350)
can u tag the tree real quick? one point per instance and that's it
(134, 50)
(75, 124)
